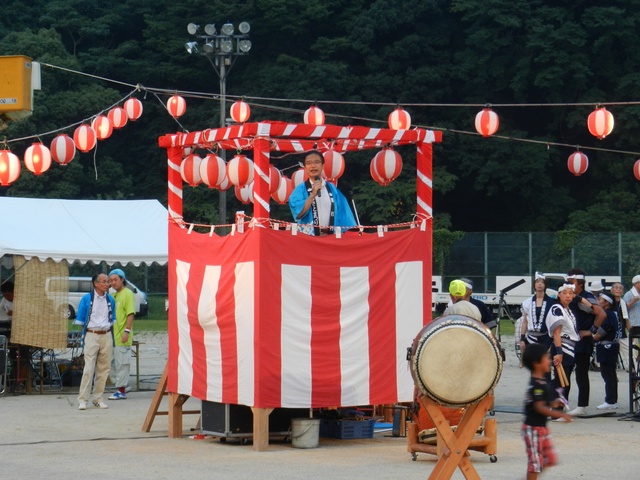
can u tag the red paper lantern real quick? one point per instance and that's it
(387, 165)
(37, 158)
(487, 122)
(176, 106)
(399, 119)
(374, 173)
(333, 165)
(102, 126)
(9, 167)
(636, 170)
(118, 117)
(274, 179)
(84, 138)
(314, 116)
(240, 111)
(213, 170)
(298, 177)
(600, 123)
(133, 107)
(62, 149)
(240, 170)
(578, 163)
(283, 192)
(190, 169)
(245, 194)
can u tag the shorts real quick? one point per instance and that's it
(540, 451)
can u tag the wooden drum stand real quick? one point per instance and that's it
(452, 446)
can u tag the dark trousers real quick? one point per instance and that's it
(568, 368)
(608, 372)
(583, 360)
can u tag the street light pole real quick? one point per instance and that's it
(224, 46)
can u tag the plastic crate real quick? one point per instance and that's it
(347, 429)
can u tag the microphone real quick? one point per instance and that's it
(319, 191)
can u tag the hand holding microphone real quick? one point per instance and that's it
(317, 186)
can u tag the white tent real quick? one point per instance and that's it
(125, 231)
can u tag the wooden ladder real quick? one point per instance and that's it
(174, 409)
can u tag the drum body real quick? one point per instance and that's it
(455, 361)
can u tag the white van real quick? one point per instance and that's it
(78, 287)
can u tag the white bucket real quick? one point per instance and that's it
(305, 432)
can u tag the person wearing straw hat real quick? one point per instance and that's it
(122, 334)
(562, 327)
(459, 306)
(606, 340)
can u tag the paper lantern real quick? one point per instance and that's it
(102, 126)
(9, 167)
(600, 123)
(84, 138)
(62, 149)
(399, 119)
(636, 170)
(133, 107)
(240, 111)
(225, 184)
(190, 169)
(578, 163)
(245, 194)
(213, 170)
(387, 165)
(333, 165)
(274, 179)
(283, 192)
(176, 106)
(37, 158)
(374, 173)
(298, 177)
(118, 117)
(240, 170)
(487, 122)
(314, 116)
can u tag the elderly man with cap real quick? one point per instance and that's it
(485, 312)
(122, 334)
(460, 306)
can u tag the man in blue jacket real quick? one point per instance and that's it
(317, 205)
(96, 313)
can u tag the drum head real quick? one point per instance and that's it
(456, 361)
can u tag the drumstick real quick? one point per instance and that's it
(562, 377)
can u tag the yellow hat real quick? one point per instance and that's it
(457, 288)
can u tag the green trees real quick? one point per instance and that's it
(358, 59)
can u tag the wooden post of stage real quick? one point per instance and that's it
(261, 428)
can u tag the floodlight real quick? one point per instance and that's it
(226, 45)
(210, 29)
(209, 47)
(244, 45)
(244, 27)
(192, 47)
(192, 28)
(227, 29)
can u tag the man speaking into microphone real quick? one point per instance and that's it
(318, 206)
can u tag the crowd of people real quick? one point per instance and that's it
(562, 334)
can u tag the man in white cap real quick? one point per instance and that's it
(633, 305)
(122, 334)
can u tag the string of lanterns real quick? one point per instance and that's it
(384, 168)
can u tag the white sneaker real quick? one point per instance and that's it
(561, 419)
(100, 405)
(82, 405)
(608, 406)
(579, 412)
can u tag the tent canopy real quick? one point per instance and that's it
(124, 231)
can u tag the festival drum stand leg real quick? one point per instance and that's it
(456, 444)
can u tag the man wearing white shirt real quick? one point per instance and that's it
(633, 305)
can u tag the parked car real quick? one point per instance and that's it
(78, 287)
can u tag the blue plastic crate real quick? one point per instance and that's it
(347, 429)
